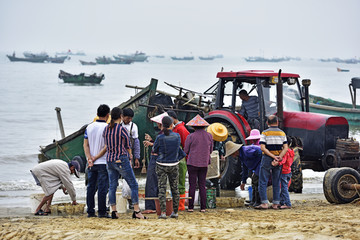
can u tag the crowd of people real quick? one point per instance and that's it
(113, 149)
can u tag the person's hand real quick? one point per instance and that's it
(90, 162)
(65, 191)
(222, 158)
(147, 143)
(137, 163)
(274, 163)
(278, 158)
(74, 203)
(242, 186)
(130, 156)
(148, 137)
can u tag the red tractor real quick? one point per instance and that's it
(324, 138)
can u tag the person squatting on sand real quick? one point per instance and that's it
(198, 147)
(151, 185)
(53, 175)
(167, 146)
(179, 127)
(95, 153)
(118, 148)
(273, 144)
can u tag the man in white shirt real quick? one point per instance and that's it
(132, 128)
(96, 156)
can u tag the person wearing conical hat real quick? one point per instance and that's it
(151, 185)
(250, 157)
(198, 147)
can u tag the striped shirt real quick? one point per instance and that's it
(250, 107)
(117, 142)
(274, 139)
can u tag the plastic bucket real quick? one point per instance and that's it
(121, 203)
(211, 198)
(35, 200)
(169, 206)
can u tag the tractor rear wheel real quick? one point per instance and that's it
(230, 169)
(296, 185)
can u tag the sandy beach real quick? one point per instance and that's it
(311, 217)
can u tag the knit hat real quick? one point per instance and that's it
(231, 147)
(254, 134)
(158, 118)
(218, 131)
(197, 121)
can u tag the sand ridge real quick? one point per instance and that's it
(310, 219)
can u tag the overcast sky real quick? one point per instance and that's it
(304, 28)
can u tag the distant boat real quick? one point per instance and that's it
(107, 60)
(135, 57)
(262, 59)
(159, 56)
(342, 70)
(339, 60)
(219, 56)
(69, 52)
(56, 59)
(27, 59)
(87, 63)
(81, 78)
(207, 58)
(35, 55)
(182, 58)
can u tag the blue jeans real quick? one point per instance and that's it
(122, 167)
(265, 170)
(151, 185)
(284, 193)
(97, 180)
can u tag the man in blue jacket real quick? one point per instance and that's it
(250, 157)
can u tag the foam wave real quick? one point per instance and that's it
(18, 185)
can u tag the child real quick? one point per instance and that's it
(286, 175)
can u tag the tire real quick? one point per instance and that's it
(296, 185)
(330, 159)
(231, 171)
(328, 193)
(342, 176)
(81, 161)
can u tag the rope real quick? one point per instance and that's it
(57, 144)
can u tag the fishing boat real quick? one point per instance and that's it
(262, 59)
(342, 70)
(57, 59)
(107, 60)
(87, 63)
(207, 58)
(135, 57)
(35, 55)
(27, 59)
(182, 58)
(148, 102)
(331, 107)
(81, 78)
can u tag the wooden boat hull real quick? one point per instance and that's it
(33, 60)
(331, 107)
(87, 63)
(81, 78)
(182, 58)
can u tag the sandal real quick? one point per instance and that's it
(190, 210)
(202, 210)
(136, 217)
(41, 213)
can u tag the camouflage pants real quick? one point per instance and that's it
(163, 173)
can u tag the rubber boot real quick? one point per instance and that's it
(182, 203)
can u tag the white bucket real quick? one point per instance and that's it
(35, 200)
(121, 203)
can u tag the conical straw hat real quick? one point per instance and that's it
(231, 147)
(158, 118)
(197, 121)
(218, 131)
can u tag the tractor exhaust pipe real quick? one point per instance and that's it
(279, 100)
(306, 83)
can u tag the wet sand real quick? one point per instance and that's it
(311, 217)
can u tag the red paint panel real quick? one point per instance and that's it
(232, 118)
(255, 73)
(311, 121)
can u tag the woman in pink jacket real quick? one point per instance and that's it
(198, 147)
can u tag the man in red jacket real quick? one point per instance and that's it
(179, 127)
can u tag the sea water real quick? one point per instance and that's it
(29, 93)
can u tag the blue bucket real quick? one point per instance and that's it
(250, 193)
